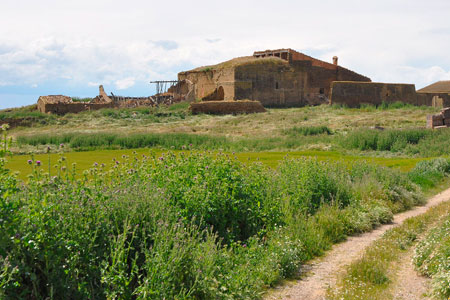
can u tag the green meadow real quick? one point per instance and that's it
(86, 160)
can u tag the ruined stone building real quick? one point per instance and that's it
(276, 78)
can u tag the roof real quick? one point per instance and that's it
(437, 87)
(239, 61)
(55, 99)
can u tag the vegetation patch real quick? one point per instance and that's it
(186, 226)
(371, 276)
(432, 258)
(307, 130)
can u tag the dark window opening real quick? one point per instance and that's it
(276, 85)
(284, 55)
(277, 54)
(322, 91)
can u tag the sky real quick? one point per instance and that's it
(67, 47)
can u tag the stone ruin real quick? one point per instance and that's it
(59, 104)
(441, 120)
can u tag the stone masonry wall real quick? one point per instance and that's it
(207, 82)
(288, 84)
(353, 94)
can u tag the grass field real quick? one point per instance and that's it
(85, 160)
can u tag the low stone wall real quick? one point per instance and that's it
(65, 108)
(227, 107)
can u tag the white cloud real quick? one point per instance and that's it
(34, 85)
(125, 83)
(393, 41)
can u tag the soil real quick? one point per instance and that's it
(322, 273)
(410, 285)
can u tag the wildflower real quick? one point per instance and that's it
(190, 145)
(30, 161)
(48, 149)
(207, 167)
(161, 158)
(38, 163)
(95, 164)
(117, 162)
(61, 145)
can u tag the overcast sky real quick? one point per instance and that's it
(61, 47)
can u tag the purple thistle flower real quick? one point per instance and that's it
(95, 164)
(30, 161)
(161, 158)
(61, 145)
(38, 162)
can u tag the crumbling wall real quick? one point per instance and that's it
(353, 94)
(227, 107)
(439, 120)
(75, 107)
(207, 82)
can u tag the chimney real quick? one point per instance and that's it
(335, 60)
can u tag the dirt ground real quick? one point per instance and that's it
(322, 273)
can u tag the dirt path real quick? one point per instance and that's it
(322, 273)
(410, 285)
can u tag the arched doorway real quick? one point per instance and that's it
(220, 93)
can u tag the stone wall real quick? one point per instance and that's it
(75, 107)
(297, 83)
(353, 94)
(208, 81)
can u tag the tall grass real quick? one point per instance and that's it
(307, 130)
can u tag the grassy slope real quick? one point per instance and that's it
(270, 124)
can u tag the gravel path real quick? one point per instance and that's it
(323, 272)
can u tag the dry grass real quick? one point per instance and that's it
(269, 124)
